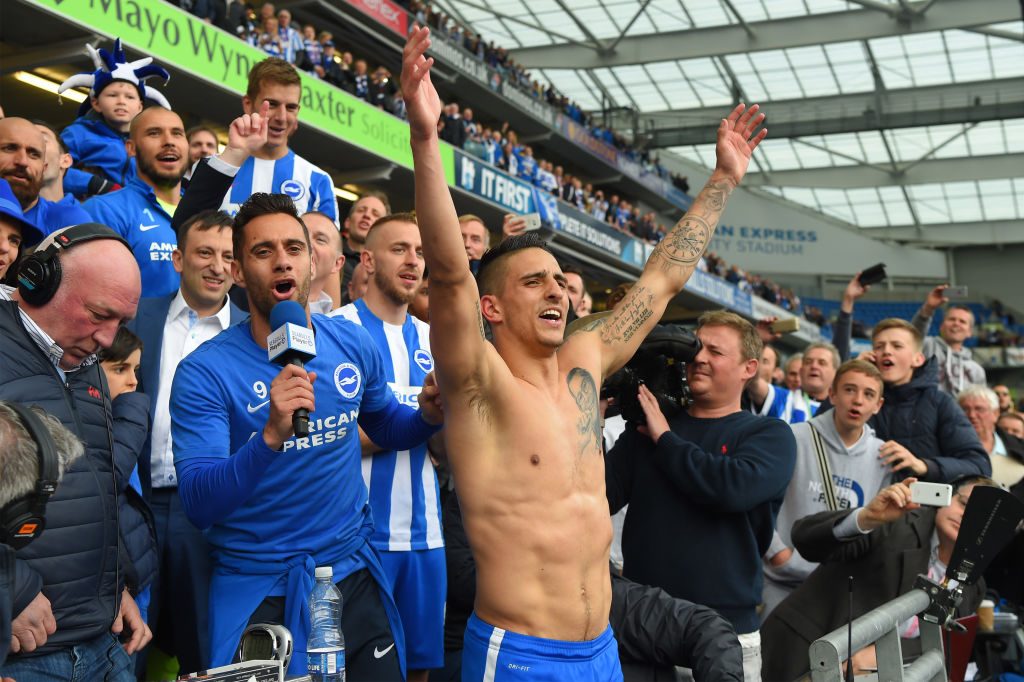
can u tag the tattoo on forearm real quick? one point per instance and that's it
(583, 390)
(629, 316)
(683, 246)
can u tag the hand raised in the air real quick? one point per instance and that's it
(422, 103)
(737, 141)
(246, 135)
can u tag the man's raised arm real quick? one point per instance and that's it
(456, 327)
(676, 256)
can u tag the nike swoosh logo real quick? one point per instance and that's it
(381, 654)
(254, 408)
(147, 228)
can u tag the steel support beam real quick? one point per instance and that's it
(905, 108)
(953, 234)
(993, 167)
(776, 34)
(57, 53)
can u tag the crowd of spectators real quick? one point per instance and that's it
(314, 51)
(499, 59)
(186, 294)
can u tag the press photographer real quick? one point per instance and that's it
(714, 474)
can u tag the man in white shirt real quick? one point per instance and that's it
(171, 327)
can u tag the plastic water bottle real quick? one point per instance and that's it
(325, 649)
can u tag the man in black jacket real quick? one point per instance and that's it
(714, 475)
(75, 574)
(884, 545)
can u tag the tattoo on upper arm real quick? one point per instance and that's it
(583, 390)
(629, 316)
(480, 321)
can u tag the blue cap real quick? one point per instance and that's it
(10, 207)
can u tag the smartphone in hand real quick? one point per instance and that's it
(873, 275)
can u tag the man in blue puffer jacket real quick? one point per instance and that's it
(72, 601)
(927, 434)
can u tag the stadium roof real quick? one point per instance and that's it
(904, 118)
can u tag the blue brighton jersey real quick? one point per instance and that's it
(403, 488)
(135, 214)
(793, 407)
(311, 499)
(309, 187)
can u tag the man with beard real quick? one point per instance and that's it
(404, 493)
(275, 505)
(27, 161)
(141, 212)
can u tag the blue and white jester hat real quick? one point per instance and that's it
(114, 66)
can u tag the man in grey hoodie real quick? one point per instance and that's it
(957, 367)
(857, 472)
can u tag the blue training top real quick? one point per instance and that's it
(50, 216)
(135, 214)
(274, 515)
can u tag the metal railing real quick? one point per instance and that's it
(932, 603)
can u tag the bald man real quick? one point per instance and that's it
(69, 614)
(325, 286)
(141, 212)
(24, 158)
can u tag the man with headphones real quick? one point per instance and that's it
(73, 293)
(35, 449)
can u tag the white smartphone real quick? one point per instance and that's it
(956, 292)
(931, 494)
(532, 221)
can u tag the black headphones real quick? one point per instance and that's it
(40, 273)
(23, 520)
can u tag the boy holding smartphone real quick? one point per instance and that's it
(855, 473)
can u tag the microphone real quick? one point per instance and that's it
(291, 342)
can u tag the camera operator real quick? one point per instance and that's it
(33, 447)
(715, 474)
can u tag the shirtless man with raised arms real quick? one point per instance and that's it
(523, 430)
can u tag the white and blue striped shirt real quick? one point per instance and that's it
(309, 187)
(792, 407)
(403, 489)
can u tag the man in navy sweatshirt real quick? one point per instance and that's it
(714, 476)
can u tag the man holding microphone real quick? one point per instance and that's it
(277, 504)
